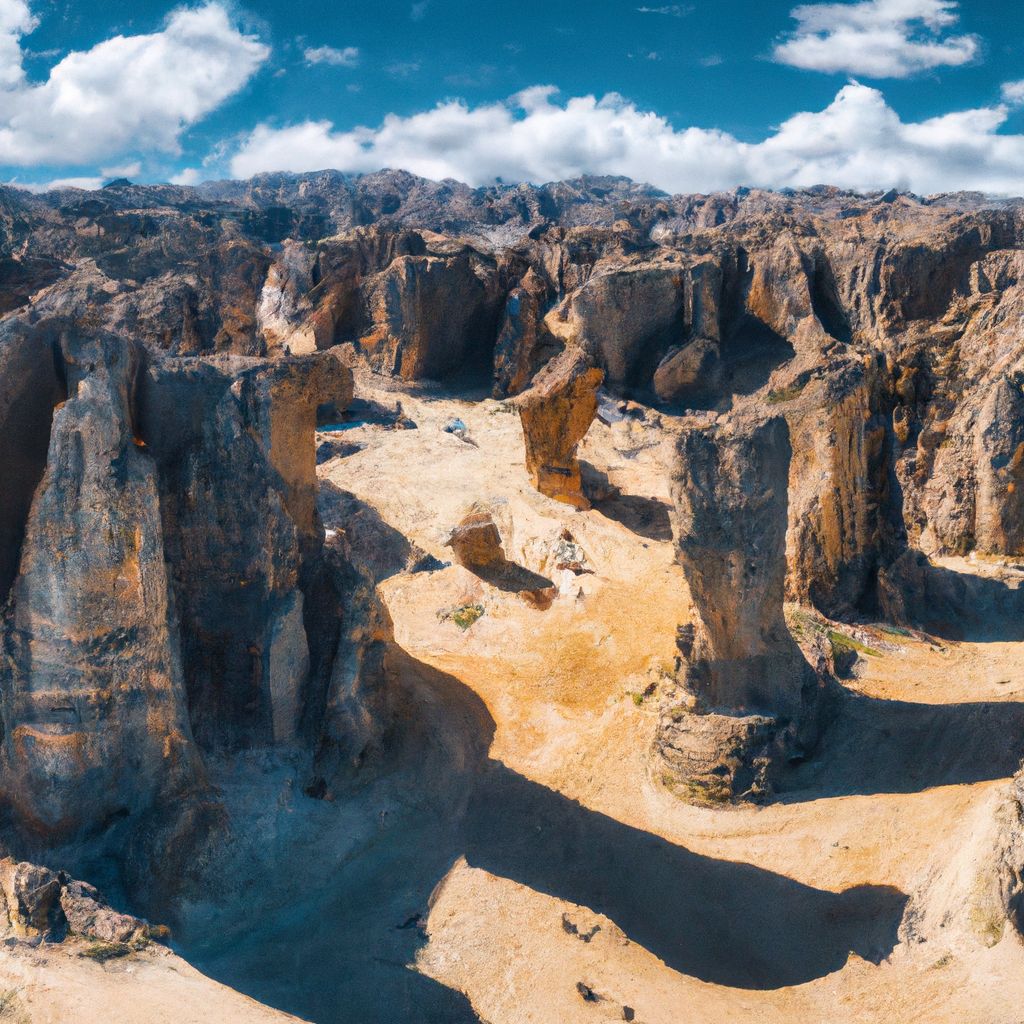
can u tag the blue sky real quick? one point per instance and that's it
(922, 94)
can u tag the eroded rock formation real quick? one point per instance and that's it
(751, 699)
(172, 593)
(556, 413)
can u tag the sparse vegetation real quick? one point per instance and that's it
(101, 952)
(11, 1007)
(779, 395)
(463, 616)
(841, 643)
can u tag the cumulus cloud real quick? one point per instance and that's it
(1013, 93)
(857, 142)
(345, 58)
(126, 95)
(877, 38)
(15, 21)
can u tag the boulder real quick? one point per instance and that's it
(476, 541)
(31, 896)
(556, 413)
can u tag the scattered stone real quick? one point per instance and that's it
(568, 555)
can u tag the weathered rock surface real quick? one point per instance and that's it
(173, 594)
(476, 540)
(93, 701)
(753, 698)
(37, 903)
(556, 413)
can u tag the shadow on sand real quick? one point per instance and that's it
(955, 605)
(344, 953)
(891, 746)
(646, 517)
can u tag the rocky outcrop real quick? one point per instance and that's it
(37, 903)
(233, 443)
(92, 694)
(524, 342)
(749, 700)
(556, 413)
(999, 501)
(427, 316)
(174, 595)
(843, 526)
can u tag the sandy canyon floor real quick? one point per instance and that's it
(521, 863)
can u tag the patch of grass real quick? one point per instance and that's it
(708, 794)
(779, 395)
(944, 961)
(638, 699)
(463, 616)
(101, 952)
(842, 643)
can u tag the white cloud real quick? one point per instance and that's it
(188, 176)
(127, 95)
(131, 170)
(857, 142)
(1013, 93)
(89, 184)
(673, 10)
(418, 11)
(876, 38)
(402, 68)
(346, 58)
(15, 21)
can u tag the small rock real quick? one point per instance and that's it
(569, 555)
(476, 541)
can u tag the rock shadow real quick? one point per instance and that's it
(511, 577)
(337, 943)
(723, 922)
(949, 604)
(890, 746)
(374, 544)
(750, 355)
(646, 517)
(343, 950)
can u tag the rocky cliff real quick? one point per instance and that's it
(839, 377)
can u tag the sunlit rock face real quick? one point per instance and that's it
(171, 591)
